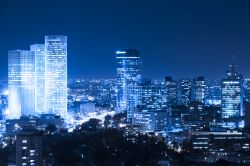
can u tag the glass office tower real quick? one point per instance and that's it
(212, 92)
(171, 89)
(232, 97)
(21, 82)
(198, 89)
(56, 75)
(185, 91)
(128, 73)
(39, 52)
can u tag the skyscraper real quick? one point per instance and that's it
(56, 75)
(153, 96)
(185, 91)
(232, 97)
(198, 89)
(212, 92)
(246, 89)
(39, 52)
(171, 89)
(21, 82)
(128, 74)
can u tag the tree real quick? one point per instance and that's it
(107, 121)
(222, 162)
(3, 156)
(119, 118)
(91, 125)
(50, 129)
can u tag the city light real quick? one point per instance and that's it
(124, 83)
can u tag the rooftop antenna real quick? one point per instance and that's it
(233, 57)
(233, 66)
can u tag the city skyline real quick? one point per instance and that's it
(187, 39)
(37, 79)
(124, 82)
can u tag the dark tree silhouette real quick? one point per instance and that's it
(50, 129)
(107, 121)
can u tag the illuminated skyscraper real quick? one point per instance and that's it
(39, 51)
(171, 89)
(246, 89)
(198, 89)
(153, 96)
(185, 91)
(56, 75)
(128, 74)
(145, 97)
(212, 92)
(21, 82)
(232, 97)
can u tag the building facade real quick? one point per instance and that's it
(198, 89)
(184, 88)
(212, 92)
(29, 148)
(21, 82)
(39, 53)
(128, 73)
(146, 96)
(56, 75)
(232, 97)
(171, 90)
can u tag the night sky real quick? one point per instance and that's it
(185, 38)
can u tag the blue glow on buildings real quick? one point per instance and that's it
(128, 73)
(56, 75)
(198, 89)
(185, 86)
(37, 79)
(39, 51)
(232, 96)
(213, 92)
(21, 82)
(171, 90)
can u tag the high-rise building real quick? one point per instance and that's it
(247, 115)
(128, 73)
(39, 52)
(56, 75)
(171, 90)
(185, 91)
(29, 148)
(21, 82)
(146, 96)
(232, 97)
(134, 100)
(151, 121)
(153, 96)
(198, 89)
(246, 89)
(212, 92)
(37, 79)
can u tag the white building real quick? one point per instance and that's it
(39, 51)
(21, 82)
(56, 75)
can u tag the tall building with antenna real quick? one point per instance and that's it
(232, 98)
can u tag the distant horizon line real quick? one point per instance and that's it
(113, 78)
